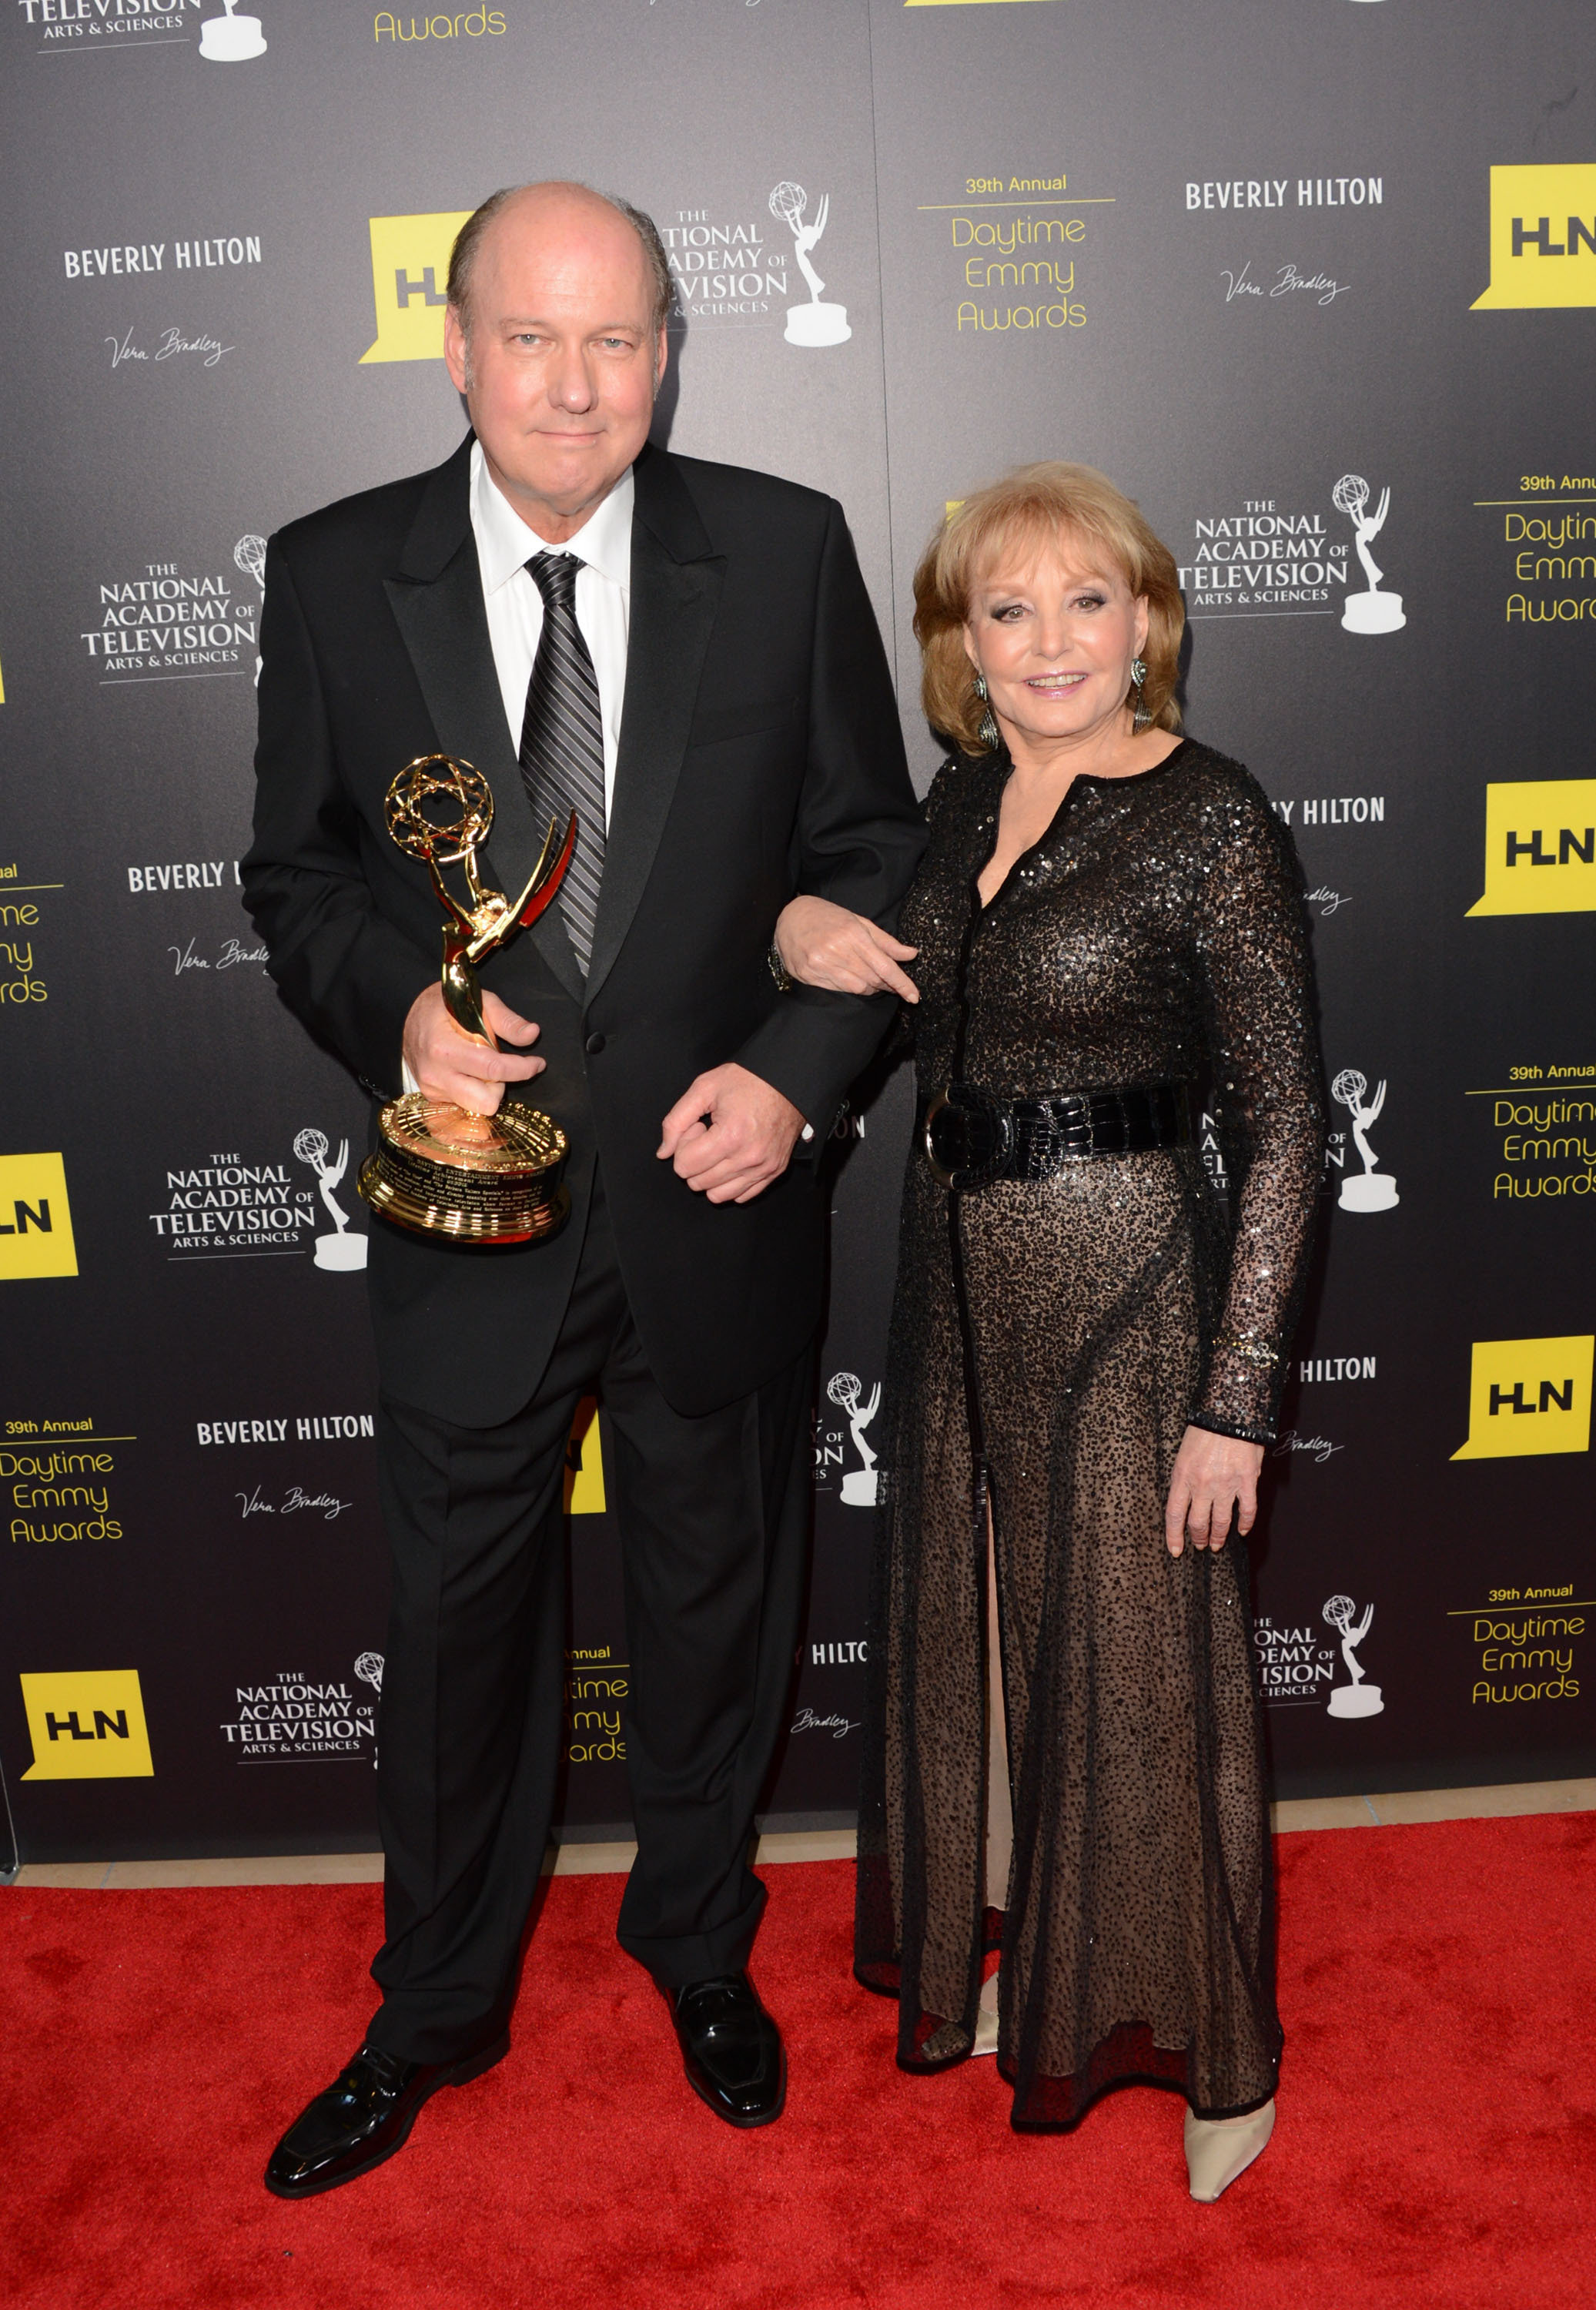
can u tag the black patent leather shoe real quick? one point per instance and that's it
(731, 2049)
(364, 2116)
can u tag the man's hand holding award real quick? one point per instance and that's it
(441, 1168)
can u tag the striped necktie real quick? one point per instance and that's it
(562, 745)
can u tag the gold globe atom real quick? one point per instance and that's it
(432, 778)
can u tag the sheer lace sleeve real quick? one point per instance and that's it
(1263, 1048)
(921, 1027)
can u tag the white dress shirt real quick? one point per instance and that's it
(514, 607)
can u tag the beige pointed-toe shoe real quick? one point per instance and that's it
(1219, 2148)
(986, 2018)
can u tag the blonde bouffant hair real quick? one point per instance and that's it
(1029, 510)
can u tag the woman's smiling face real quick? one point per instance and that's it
(1055, 634)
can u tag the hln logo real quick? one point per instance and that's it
(1543, 237)
(410, 263)
(35, 1218)
(1539, 849)
(1528, 1396)
(87, 1725)
(585, 1464)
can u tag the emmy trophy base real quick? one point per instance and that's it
(468, 1178)
(1355, 1700)
(1373, 613)
(1373, 1192)
(818, 324)
(231, 39)
(342, 1253)
(859, 1488)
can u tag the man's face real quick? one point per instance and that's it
(562, 359)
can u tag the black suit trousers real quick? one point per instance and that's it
(713, 1512)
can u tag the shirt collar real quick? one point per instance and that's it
(505, 543)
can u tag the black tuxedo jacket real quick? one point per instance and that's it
(760, 755)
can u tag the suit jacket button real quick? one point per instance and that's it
(594, 1045)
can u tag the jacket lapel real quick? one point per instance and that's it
(675, 592)
(437, 601)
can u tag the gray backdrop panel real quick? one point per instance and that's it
(1229, 253)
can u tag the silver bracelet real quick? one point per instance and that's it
(1253, 1350)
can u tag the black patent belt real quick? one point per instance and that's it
(971, 1138)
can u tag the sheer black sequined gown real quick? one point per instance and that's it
(1157, 933)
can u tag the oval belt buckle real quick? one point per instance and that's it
(944, 1178)
(986, 1165)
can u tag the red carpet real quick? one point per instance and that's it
(1444, 1978)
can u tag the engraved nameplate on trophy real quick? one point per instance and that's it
(439, 1169)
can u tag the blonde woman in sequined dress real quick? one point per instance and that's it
(1064, 1767)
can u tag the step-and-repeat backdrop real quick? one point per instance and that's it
(1313, 280)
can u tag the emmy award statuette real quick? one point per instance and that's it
(1373, 611)
(439, 1169)
(859, 1484)
(1368, 1190)
(340, 1251)
(231, 39)
(369, 1668)
(250, 555)
(1356, 1698)
(820, 322)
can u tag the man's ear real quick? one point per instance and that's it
(456, 351)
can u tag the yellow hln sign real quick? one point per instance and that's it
(1543, 237)
(35, 1218)
(585, 1464)
(1539, 849)
(1528, 1396)
(87, 1725)
(410, 263)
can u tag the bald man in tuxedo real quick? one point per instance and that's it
(685, 654)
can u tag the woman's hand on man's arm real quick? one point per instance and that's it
(824, 945)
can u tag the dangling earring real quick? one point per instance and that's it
(990, 735)
(1141, 716)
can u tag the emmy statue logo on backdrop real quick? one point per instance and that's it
(369, 1669)
(341, 1251)
(858, 1486)
(438, 1169)
(1368, 1190)
(231, 39)
(1356, 1698)
(250, 555)
(1373, 612)
(817, 323)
